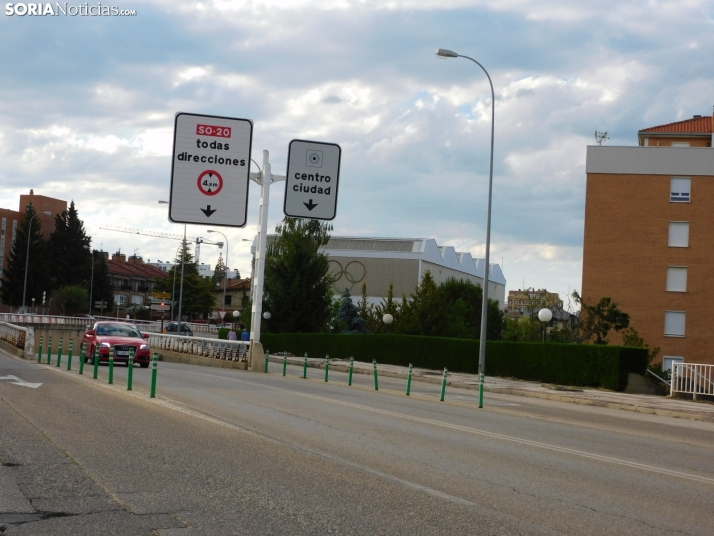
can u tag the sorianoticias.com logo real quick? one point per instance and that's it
(45, 9)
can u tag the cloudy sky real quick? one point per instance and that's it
(87, 106)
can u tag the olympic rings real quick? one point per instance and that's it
(356, 275)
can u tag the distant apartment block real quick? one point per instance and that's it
(530, 299)
(649, 240)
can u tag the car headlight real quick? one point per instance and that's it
(144, 347)
(104, 345)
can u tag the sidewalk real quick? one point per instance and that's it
(649, 404)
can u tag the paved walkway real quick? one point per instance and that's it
(649, 404)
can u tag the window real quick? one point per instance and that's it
(680, 144)
(119, 299)
(680, 189)
(679, 234)
(669, 360)
(137, 300)
(228, 300)
(674, 323)
(676, 279)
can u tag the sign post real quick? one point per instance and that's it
(312, 179)
(210, 170)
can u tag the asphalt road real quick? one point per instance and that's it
(231, 452)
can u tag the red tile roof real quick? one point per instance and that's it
(696, 125)
(135, 270)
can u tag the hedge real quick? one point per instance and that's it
(584, 365)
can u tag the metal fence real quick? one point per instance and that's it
(692, 378)
(19, 337)
(214, 348)
(149, 326)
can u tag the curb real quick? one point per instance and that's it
(339, 367)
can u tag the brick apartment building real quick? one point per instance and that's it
(528, 299)
(649, 236)
(10, 220)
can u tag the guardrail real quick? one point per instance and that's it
(214, 348)
(154, 326)
(29, 318)
(692, 378)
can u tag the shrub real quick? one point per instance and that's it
(565, 364)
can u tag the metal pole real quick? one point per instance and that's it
(91, 285)
(327, 366)
(27, 259)
(304, 368)
(39, 352)
(267, 360)
(49, 350)
(376, 382)
(69, 356)
(285, 363)
(486, 267)
(256, 294)
(409, 379)
(352, 364)
(184, 246)
(173, 293)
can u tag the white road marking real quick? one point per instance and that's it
(476, 431)
(20, 381)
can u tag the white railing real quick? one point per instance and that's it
(692, 378)
(29, 318)
(214, 348)
(154, 326)
(18, 337)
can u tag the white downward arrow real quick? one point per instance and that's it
(20, 381)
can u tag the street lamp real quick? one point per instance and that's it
(444, 53)
(183, 258)
(267, 317)
(225, 276)
(387, 319)
(27, 256)
(545, 315)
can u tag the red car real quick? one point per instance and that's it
(122, 336)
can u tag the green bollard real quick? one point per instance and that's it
(352, 364)
(111, 364)
(376, 382)
(327, 366)
(82, 357)
(130, 372)
(304, 368)
(267, 360)
(154, 370)
(96, 362)
(49, 350)
(285, 363)
(443, 384)
(69, 355)
(480, 390)
(409, 379)
(39, 352)
(59, 352)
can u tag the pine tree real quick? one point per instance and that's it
(198, 297)
(69, 251)
(13, 281)
(219, 272)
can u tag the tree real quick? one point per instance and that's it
(388, 306)
(72, 299)
(631, 337)
(597, 320)
(198, 298)
(297, 285)
(13, 280)
(350, 315)
(102, 288)
(219, 272)
(69, 251)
